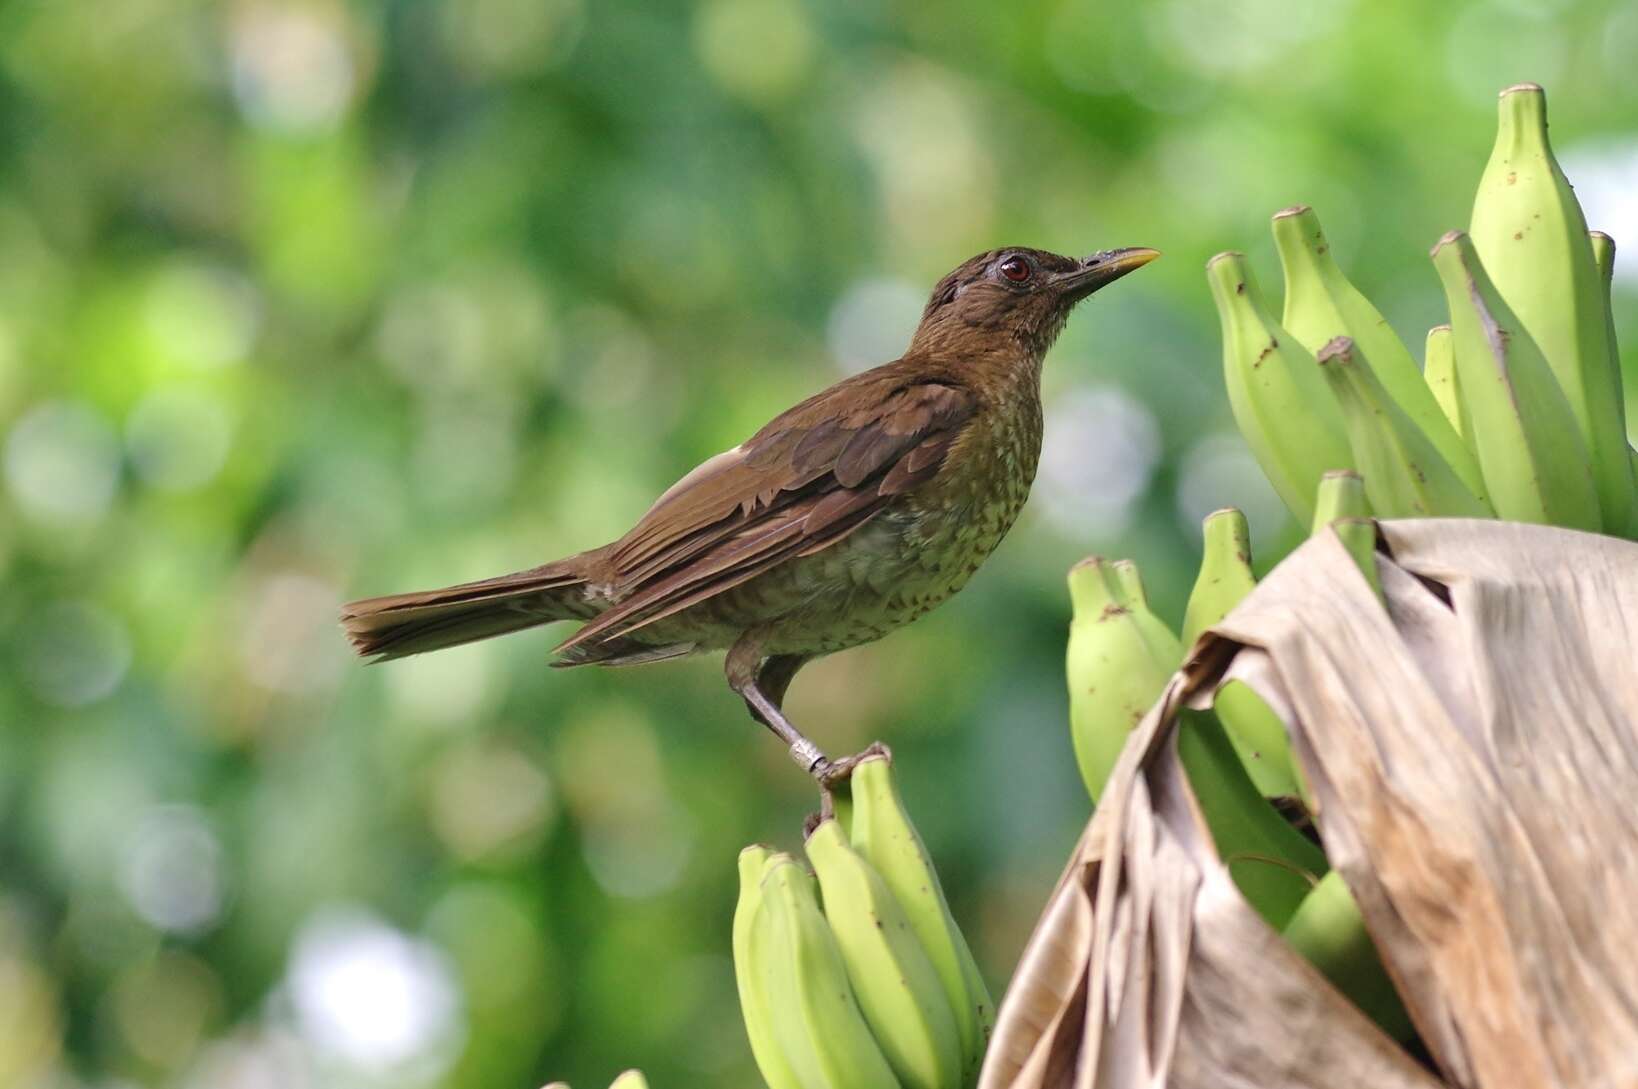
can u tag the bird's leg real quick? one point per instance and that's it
(762, 684)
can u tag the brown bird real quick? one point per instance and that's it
(844, 518)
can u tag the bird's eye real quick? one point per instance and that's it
(1015, 269)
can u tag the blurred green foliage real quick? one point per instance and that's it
(302, 300)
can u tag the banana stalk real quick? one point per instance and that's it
(1225, 578)
(1321, 304)
(1529, 232)
(882, 834)
(1289, 419)
(1530, 449)
(1341, 495)
(1405, 476)
(1329, 931)
(895, 983)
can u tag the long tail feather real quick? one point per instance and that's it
(399, 625)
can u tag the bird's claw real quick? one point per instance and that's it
(834, 773)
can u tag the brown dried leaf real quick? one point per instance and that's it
(1473, 752)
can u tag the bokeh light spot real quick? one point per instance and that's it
(872, 322)
(371, 996)
(501, 38)
(760, 50)
(1242, 36)
(62, 464)
(289, 641)
(1220, 471)
(490, 796)
(171, 870)
(30, 1025)
(1098, 456)
(164, 1006)
(1605, 177)
(292, 67)
(201, 315)
(497, 941)
(78, 654)
(178, 438)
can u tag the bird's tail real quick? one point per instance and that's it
(399, 625)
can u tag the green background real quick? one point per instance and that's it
(301, 301)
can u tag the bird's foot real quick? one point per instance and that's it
(834, 773)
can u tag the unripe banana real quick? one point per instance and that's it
(1341, 495)
(1321, 304)
(1289, 419)
(1329, 931)
(1272, 864)
(1253, 728)
(897, 988)
(750, 975)
(815, 1018)
(1119, 659)
(631, 1079)
(1405, 476)
(883, 835)
(1439, 368)
(1603, 247)
(1358, 536)
(1529, 232)
(1129, 582)
(1121, 656)
(1534, 460)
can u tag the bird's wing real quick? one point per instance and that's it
(804, 482)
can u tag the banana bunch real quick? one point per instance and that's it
(1517, 411)
(855, 976)
(1120, 657)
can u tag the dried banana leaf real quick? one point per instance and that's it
(1473, 753)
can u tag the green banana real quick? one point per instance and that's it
(1534, 460)
(749, 974)
(1341, 495)
(1289, 419)
(1439, 369)
(1358, 536)
(1320, 304)
(1405, 476)
(1272, 864)
(1129, 583)
(1253, 728)
(883, 835)
(1225, 576)
(1329, 931)
(897, 987)
(631, 1079)
(814, 1016)
(1603, 247)
(1121, 655)
(1119, 659)
(1532, 237)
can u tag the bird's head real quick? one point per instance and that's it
(1017, 295)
